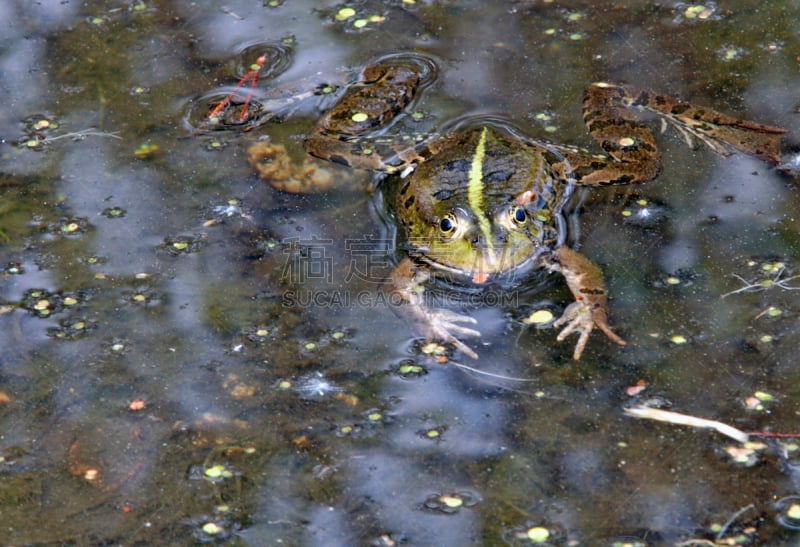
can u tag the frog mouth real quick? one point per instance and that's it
(483, 275)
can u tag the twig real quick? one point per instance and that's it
(90, 132)
(685, 419)
(731, 520)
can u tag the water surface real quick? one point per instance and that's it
(165, 379)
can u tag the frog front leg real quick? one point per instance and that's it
(406, 286)
(590, 309)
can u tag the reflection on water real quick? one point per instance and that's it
(157, 386)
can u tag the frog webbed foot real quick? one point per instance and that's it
(405, 286)
(590, 308)
(584, 317)
(444, 325)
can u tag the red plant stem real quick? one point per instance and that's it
(770, 434)
(252, 75)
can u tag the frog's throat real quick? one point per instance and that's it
(475, 190)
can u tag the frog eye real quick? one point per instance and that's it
(450, 226)
(518, 215)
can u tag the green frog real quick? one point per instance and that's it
(482, 205)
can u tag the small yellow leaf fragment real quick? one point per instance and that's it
(678, 339)
(145, 151)
(539, 317)
(763, 396)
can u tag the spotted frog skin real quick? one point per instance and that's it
(483, 204)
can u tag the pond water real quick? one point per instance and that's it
(191, 356)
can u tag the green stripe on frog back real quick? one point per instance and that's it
(475, 191)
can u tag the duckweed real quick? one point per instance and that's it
(788, 512)
(212, 528)
(344, 14)
(113, 212)
(453, 502)
(774, 312)
(218, 472)
(411, 369)
(538, 534)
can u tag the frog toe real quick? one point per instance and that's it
(444, 325)
(581, 318)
